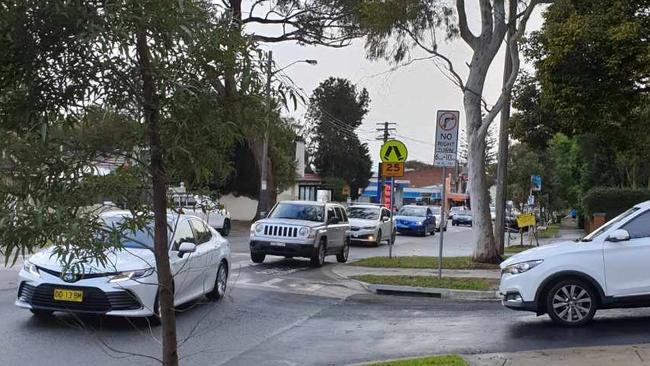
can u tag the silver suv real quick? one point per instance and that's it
(302, 229)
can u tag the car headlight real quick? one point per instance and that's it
(419, 223)
(258, 228)
(522, 267)
(31, 268)
(304, 231)
(131, 275)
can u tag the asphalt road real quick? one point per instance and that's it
(285, 313)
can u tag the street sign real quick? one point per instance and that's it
(391, 170)
(446, 146)
(536, 182)
(527, 219)
(393, 151)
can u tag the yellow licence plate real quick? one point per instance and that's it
(68, 295)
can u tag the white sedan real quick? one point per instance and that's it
(127, 285)
(371, 224)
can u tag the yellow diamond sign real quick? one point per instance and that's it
(393, 151)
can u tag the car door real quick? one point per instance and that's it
(333, 230)
(430, 221)
(202, 262)
(180, 266)
(345, 224)
(627, 263)
(386, 223)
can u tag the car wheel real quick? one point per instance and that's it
(378, 241)
(258, 257)
(345, 251)
(571, 302)
(318, 257)
(41, 313)
(155, 319)
(220, 283)
(225, 230)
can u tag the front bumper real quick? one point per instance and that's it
(406, 229)
(282, 248)
(363, 235)
(518, 291)
(129, 298)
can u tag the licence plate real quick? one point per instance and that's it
(277, 244)
(68, 295)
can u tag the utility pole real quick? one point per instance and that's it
(386, 136)
(264, 194)
(502, 166)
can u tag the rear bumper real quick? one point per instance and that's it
(289, 249)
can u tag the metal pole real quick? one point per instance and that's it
(263, 206)
(443, 219)
(392, 200)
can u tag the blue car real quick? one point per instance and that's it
(418, 220)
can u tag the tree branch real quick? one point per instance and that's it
(465, 33)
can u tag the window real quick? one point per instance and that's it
(412, 211)
(341, 214)
(428, 212)
(330, 213)
(201, 232)
(639, 227)
(385, 213)
(298, 211)
(182, 234)
(366, 213)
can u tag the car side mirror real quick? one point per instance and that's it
(618, 235)
(186, 247)
(385, 218)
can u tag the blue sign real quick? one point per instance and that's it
(536, 182)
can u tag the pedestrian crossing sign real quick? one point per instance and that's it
(393, 151)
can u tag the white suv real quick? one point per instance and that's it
(609, 268)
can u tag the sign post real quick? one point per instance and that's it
(445, 153)
(393, 154)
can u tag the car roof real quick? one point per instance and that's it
(365, 206)
(645, 204)
(171, 215)
(314, 203)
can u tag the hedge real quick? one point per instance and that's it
(612, 201)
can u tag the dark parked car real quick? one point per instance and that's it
(462, 218)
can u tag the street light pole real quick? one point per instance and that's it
(264, 199)
(263, 208)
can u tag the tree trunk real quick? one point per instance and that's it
(482, 236)
(502, 168)
(159, 188)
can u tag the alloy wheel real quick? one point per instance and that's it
(572, 303)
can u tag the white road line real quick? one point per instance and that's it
(271, 282)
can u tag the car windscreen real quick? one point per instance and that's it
(366, 213)
(138, 238)
(435, 210)
(298, 211)
(412, 211)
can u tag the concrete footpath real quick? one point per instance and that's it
(632, 355)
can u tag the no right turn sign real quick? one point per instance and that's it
(446, 146)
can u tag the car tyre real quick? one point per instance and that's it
(220, 283)
(378, 241)
(39, 313)
(571, 302)
(318, 256)
(225, 230)
(258, 257)
(345, 251)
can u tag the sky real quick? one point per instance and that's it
(408, 96)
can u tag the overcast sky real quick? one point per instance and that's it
(408, 96)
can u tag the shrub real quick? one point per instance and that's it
(612, 201)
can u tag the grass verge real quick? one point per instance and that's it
(454, 283)
(550, 232)
(517, 248)
(448, 360)
(423, 262)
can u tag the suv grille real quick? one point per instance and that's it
(94, 299)
(281, 231)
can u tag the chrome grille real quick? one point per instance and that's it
(281, 231)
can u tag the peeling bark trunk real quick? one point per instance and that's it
(485, 249)
(159, 188)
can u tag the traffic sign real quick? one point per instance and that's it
(391, 170)
(393, 151)
(446, 147)
(536, 182)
